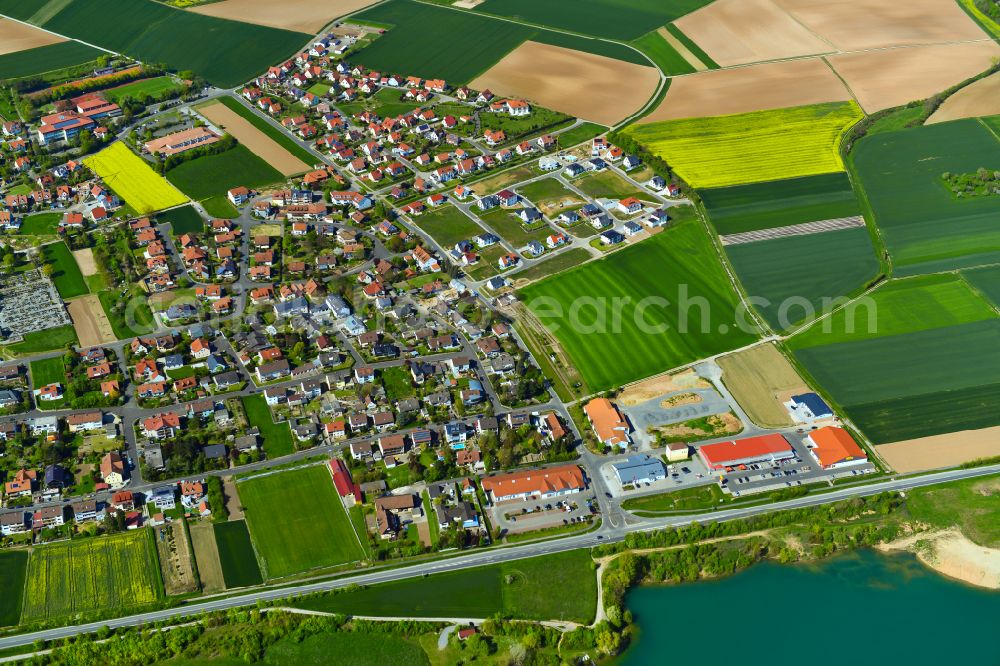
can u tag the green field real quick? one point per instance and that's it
(579, 134)
(141, 323)
(560, 262)
(214, 175)
(347, 649)
(780, 203)
(13, 567)
(615, 19)
(924, 227)
(579, 306)
(972, 503)
(47, 371)
(32, 62)
(800, 276)
(914, 384)
(227, 53)
(183, 220)
(508, 227)
(431, 41)
(536, 591)
(41, 224)
(112, 573)
(545, 190)
(447, 225)
(66, 273)
(220, 207)
(902, 306)
(663, 54)
(277, 437)
(279, 136)
(239, 564)
(987, 281)
(42, 341)
(752, 147)
(298, 522)
(608, 185)
(154, 87)
(692, 46)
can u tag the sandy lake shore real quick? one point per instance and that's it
(951, 553)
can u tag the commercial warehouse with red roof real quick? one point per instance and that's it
(540, 483)
(763, 448)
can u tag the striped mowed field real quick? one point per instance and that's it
(661, 303)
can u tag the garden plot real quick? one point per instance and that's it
(584, 85)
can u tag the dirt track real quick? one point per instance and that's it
(592, 87)
(982, 98)
(308, 16)
(752, 88)
(917, 455)
(16, 37)
(259, 143)
(90, 321)
(736, 32)
(883, 79)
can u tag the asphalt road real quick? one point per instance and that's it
(607, 534)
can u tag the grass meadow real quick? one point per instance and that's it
(924, 227)
(530, 589)
(795, 274)
(13, 568)
(66, 273)
(447, 225)
(277, 437)
(153, 87)
(578, 306)
(183, 220)
(239, 564)
(132, 179)
(752, 147)
(780, 203)
(115, 572)
(298, 522)
(41, 224)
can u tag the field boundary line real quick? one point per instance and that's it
(804, 229)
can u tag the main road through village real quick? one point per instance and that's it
(606, 534)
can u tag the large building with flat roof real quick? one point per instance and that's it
(763, 448)
(639, 469)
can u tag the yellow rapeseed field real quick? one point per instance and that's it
(134, 180)
(752, 147)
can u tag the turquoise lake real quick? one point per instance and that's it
(856, 609)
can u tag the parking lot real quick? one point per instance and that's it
(536, 514)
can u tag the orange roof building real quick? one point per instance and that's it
(763, 448)
(609, 424)
(834, 447)
(542, 483)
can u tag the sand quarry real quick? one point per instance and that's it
(308, 16)
(982, 98)
(953, 554)
(16, 37)
(775, 85)
(647, 389)
(259, 143)
(90, 321)
(592, 87)
(924, 453)
(886, 54)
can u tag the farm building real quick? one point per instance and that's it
(763, 448)
(834, 447)
(540, 483)
(639, 469)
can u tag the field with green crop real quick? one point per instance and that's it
(115, 572)
(525, 589)
(13, 567)
(780, 203)
(447, 225)
(987, 281)
(183, 220)
(65, 272)
(214, 175)
(298, 522)
(154, 87)
(239, 564)
(615, 19)
(279, 136)
(227, 53)
(614, 304)
(914, 384)
(751, 147)
(799, 276)
(431, 41)
(926, 228)
(663, 54)
(132, 179)
(277, 437)
(901, 306)
(39, 60)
